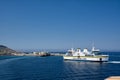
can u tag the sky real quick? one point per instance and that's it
(60, 24)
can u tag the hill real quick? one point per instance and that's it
(4, 50)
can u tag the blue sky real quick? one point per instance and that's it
(60, 24)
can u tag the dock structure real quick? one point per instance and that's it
(57, 54)
(113, 78)
(39, 54)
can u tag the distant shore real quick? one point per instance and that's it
(39, 54)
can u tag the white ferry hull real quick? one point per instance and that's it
(87, 58)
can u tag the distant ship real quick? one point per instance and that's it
(85, 55)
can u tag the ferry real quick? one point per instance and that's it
(85, 55)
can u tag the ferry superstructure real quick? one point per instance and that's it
(85, 55)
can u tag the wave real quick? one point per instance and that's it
(116, 62)
(10, 59)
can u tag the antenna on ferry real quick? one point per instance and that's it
(93, 46)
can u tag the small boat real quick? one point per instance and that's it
(85, 55)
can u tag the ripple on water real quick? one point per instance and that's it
(55, 68)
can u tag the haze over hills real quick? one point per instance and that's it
(61, 50)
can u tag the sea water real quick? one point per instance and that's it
(55, 68)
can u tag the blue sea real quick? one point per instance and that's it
(55, 68)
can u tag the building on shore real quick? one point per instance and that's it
(41, 53)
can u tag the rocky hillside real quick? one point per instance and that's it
(6, 51)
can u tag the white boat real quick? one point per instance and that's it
(85, 55)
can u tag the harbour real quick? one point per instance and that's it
(39, 54)
(60, 40)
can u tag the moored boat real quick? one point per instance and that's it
(85, 55)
